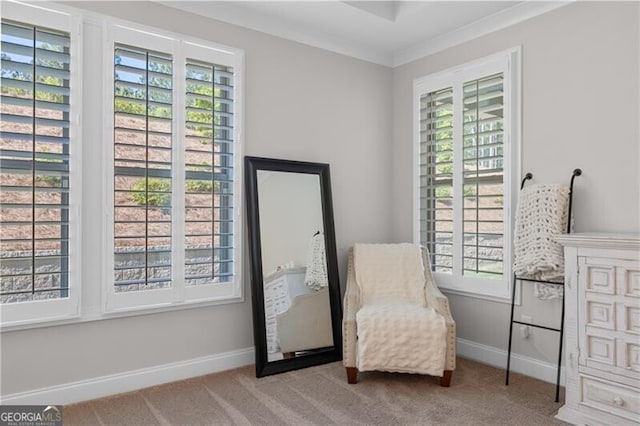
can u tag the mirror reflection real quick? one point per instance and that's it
(294, 265)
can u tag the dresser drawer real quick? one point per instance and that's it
(620, 400)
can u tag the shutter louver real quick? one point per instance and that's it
(208, 174)
(142, 169)
(483, 139)
(436, 177)
(34, 163)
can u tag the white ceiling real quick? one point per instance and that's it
(385, 32)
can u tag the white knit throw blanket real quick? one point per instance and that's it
(316, 275)
(542, 214)
(389, 273)
(397, 331)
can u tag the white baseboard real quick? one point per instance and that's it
(131, 380)
(138, 379)
(498, 358)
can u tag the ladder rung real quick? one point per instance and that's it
(537, 326)
(532, 280)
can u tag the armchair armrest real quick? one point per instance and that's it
(436, 299)
(351, 306)
(440, 303)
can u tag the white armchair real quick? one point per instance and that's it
(353, 303)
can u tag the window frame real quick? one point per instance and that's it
(181, 48)
(507, 62)
(229, 57)
(87, 301)
(25, 313)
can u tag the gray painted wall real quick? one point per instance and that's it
(579, 109)
(301, 103)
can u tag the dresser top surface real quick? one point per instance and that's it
(625, 240)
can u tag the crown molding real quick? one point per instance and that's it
(299, 33)
(282, 28)
(503, 19)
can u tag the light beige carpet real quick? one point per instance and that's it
(321, 396)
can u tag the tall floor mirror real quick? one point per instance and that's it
(294, 272)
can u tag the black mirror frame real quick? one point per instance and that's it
(263, 367)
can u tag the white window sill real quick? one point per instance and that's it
(498, 299)
(96, 314)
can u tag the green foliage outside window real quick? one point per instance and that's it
(446, 191)
(152, 192)
(205, 186)
(158, 191)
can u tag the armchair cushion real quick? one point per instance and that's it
(404, 338)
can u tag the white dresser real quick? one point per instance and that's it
(602, 329)
(280, 288)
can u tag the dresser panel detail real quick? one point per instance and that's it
(602, 329)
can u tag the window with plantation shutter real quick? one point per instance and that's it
(436, 177)
(35, 163)
(36, 148)
(151, 223)
(175, 199)
(467, 140)
(483, 175)
(142, 169)
(209, 173)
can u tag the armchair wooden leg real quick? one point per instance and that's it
(352, 375)
(445, 380)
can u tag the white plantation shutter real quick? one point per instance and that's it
(483, 159)
(466, 161)
(39, 165)
(209, 170)
(34, 163)
(174, 192)
(162, 128)
(436, 177)
(142, 169)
